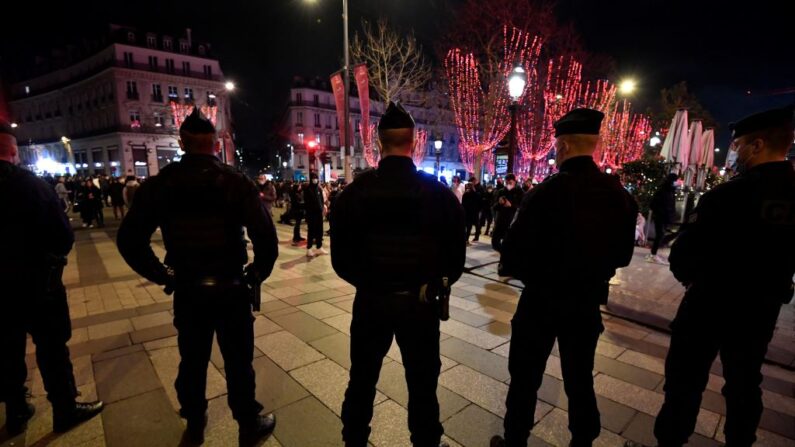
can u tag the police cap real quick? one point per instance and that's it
(579, 121)
(396, 117)
(197, 124)
(768, 119)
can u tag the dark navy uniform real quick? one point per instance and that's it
(395, 230)
(736, 255)
(34, 244)
(570, 234)
(504, 214)
(201, 207)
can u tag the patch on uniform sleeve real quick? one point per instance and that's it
(692, 217)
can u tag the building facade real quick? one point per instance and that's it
(117, 110)
(311, 123)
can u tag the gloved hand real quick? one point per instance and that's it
(168, 288)
(252, 276)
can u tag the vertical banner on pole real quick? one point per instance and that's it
(338, 88)
(363, 87)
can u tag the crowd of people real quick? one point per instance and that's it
(90, 195)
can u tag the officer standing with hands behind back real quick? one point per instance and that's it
(570, 235)
(398, 237)
(201, 207)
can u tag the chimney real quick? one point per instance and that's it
(187, 34)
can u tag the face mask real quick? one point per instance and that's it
(509, 186)
(314, 181)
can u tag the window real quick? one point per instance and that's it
(169, 65)
(316, 100)
(300, 138)
(328, 140)
(201, 50)
(132, 90)
(173, 93)
(159, 120)
(131, 37)
(151, 41)
(186, 68)
(128, 59)
(328, 122)
(299, 98)
(208, 71)
(167, 43)
(189, 93)
(317, 120)
(153, 63)
(157, 94)
(135, 119)
(317, 138)
(299, 119)
(184, 46)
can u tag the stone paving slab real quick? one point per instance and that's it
(124, 349)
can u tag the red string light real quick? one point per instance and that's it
(419, 147)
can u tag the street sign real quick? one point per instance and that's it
(501, 164)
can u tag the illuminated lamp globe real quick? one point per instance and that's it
(516, 83)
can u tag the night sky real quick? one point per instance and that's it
(723, 49)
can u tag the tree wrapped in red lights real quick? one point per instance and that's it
(480, 105)
(371, 155)
(420, 146)
(181, 111)
(623, 134)
(546, 102)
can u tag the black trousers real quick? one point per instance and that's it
(415, 327)
(297, 215)
(486, 217)
(702, 329)
(46, 319)
(200, 312)
(534, 328)
(660, 236)
(473, 221)
(501, 226)
(314, 223)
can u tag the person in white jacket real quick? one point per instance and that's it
(458, 188)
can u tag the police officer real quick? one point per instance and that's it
(397, 234)
(736, 256)
(570, 234)
(507, 202)
(201, 207)
(313, 204)
(34, 246)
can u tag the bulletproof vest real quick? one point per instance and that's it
(200, 215)
(400, 215)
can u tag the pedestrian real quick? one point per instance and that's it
(104, 187)
(116, 192)
(88, 200)
(313, 207)
(486, 210)
(570, 235)
(62, 193)
(99, 202)
(663, 213)
(736, 257)
(471, 204)
(267, 192)
(508, 200)
(34, 298)
(457, 188)
(398, 234)
(297, 211)
(198, 202)
(130, 187)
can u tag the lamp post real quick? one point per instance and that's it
(438, 146)
(516, 85)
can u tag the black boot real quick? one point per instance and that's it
(256, 430)
(65, 419)
(194, 432)
(17, 418)
(497, 441)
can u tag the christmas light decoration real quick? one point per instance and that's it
(181, 111)
(420, 140)
(370, 152)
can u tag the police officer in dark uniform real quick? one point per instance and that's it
(397, 236)
(33, 249)
(507, 202)
(201, 207)
(736, 256)
(570, 235)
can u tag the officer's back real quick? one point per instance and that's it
(397, 235)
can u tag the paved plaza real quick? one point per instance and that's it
(124, 352)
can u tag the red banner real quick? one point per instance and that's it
(338, 87)
(363, 87)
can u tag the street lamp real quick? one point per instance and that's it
(438, 146)
(14, 125)
(229, 86)
(655, 140)
(609, 170)
(717, 149)
(627, 86)
(516, 85)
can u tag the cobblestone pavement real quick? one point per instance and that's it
(124, 352)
